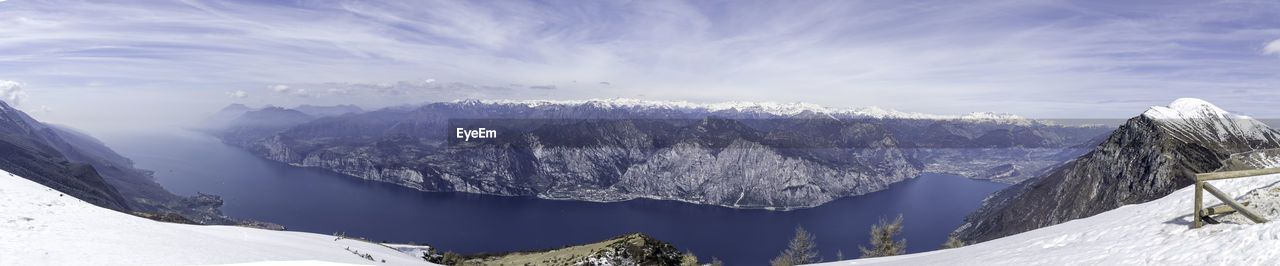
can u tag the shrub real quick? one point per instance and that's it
(689, 259)
(451, 258)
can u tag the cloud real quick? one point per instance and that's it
(278, 88)
(238, 94)
(543, 87)
(1272, 48)
(606, 83)
(338, 91)
(1025, 57)
(12, 92)
(287, 90)
(382, 94)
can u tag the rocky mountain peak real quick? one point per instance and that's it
(1146, 158)
(1186, 108)
(1198, 121)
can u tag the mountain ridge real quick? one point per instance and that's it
(603, 152)
(82, 166)
(773, 108)
(1148, 157)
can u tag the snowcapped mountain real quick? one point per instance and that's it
(42, 226)
(1148, 157)
(772, 108)
(1197, 121)
(1152, 233)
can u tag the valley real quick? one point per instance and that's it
(739, 155)
(318, 201)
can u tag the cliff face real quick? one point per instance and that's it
(27, 150)
(713, 161)
(1147, 158)
(600, 153)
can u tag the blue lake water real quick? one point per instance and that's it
(315, 200)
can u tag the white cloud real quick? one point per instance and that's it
(1272, 48)
(238, 94)
(939, 57)
(12, 93)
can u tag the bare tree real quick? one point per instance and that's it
(801, 250)
(882, 243)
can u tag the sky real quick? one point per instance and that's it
(115, 65)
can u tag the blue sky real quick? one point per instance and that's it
(73, 62)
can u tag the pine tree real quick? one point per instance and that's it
(801, 250)
(952, 242)
(882, 243)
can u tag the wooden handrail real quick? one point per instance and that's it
(1236, 174)
(1202, 185)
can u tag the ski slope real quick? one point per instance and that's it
(40, 226)
(1152, 233)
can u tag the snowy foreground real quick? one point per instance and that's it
(40, 227)
(1153, 233)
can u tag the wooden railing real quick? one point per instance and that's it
(1200, 214)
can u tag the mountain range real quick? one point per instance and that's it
(741, 155)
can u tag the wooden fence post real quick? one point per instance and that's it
(1195, 215)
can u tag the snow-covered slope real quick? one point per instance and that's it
(1153, 233)
(40, 226)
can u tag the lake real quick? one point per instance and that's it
(316, 200)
